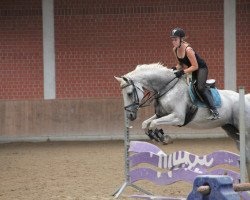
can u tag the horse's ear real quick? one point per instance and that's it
(119, 79)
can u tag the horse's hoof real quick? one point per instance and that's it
(167, 140)
(164, 138)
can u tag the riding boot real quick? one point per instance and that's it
(208, 99)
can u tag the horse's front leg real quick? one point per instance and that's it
(172, 119)
(147, 122)
(157, 135)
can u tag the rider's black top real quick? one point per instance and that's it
(186, 61)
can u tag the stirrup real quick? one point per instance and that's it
(214, 115)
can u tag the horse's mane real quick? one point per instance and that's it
(152, 66)
(147, 66)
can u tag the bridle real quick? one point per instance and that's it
(136, 103)
(156, 95)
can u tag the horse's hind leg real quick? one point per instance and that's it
(232, 132)
(248, 155)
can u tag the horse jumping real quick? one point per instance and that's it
(173, 105)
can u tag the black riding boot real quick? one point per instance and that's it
(208, 99)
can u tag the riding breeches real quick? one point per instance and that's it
(201, 77)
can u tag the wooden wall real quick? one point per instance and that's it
(80, 119)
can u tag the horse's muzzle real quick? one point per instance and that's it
(131, 115)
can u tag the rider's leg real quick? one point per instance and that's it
(207, 96)
(205, 93)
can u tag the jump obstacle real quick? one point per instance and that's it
(185, 166)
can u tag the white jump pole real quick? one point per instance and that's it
(126, 157)
(127, 181)
(242, 135)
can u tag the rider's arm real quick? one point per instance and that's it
(179, 65)
(194, 64)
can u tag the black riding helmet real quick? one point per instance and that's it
(178, 32)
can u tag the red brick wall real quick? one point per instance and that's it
(96, 40)
(21, 66)
(243, 48)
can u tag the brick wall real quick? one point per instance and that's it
(21, 67)
(96, 40)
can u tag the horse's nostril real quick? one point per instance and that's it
(131, 116)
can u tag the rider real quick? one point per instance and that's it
(194, 64)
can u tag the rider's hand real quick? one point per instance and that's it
(179, 73)
(174, 68)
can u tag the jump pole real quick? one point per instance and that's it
(242, 135)
(127, 181)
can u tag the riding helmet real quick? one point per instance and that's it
(177, 32)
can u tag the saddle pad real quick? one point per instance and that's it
(196, 101)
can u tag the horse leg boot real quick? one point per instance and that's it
(152, 135)
(208, 99)
(149, 132)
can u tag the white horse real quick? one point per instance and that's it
(173, 103)
(247, 97)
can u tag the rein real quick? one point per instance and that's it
(149, 100)
(156, 95)
(165, 92)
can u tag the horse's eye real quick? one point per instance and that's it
(130, 94)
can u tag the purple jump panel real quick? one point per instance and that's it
(170, 177)
(138, 146)
(163, 178)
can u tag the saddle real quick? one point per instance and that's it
(196, 97)
(197, 100)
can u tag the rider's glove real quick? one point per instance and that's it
(179, 74)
